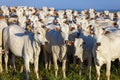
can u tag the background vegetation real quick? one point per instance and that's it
(71, 72)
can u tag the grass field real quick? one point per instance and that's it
(72, 73)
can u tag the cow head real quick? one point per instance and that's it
(78, 44)
(90, 29)
(65, 31)
(39, 35)
(98, 32)
(74, 32)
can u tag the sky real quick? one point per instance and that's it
(66, 4)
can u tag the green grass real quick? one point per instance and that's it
(71, 73)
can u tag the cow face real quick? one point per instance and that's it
(65, 31)
(98, 32)
(90, 29)
(98, 44)
(39, 35)
(79, 48)
(74, 33)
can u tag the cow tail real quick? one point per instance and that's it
(3, 46)
(4, 43)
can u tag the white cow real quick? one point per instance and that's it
(24, 44)
(84, 51)
(106, 49)
(22, 21)
(47, 48)
(74, 33)
(47, 55)
(57, 40)
(5, 10)
(19, 11)
(2, 25)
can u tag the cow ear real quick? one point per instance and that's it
(114, 23)
(29, 28)
(71, 28)
(14, 21)
(84, 43)
(28, 21)
(45, 28)
(70, 43)
(90, 26)
(91, 32)
(106, 32)
(55, 13)
(57, 28)
(78, 26)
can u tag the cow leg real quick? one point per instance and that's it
(89, 66)
(49, 61)
(6, 61)
(98, 71)
(55, 64)
(97, 65)
(108, 67)
(26, 59)
(22, 66)
(64, 56)
(74, 61)
(81, 65)
(64, 67)
(13, 62)
(36, 60)
(1, 69)
(46, 61)
(21, 69)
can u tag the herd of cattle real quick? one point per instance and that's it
(87, 35)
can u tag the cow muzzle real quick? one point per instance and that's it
(97, 46)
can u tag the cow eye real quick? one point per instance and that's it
(80, 45)
(38, 33)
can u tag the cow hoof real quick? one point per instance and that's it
(0, 71)
(21, 71)
(38, 78)
(64, 78)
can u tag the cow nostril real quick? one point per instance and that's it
(46, 42)
(98, 44)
